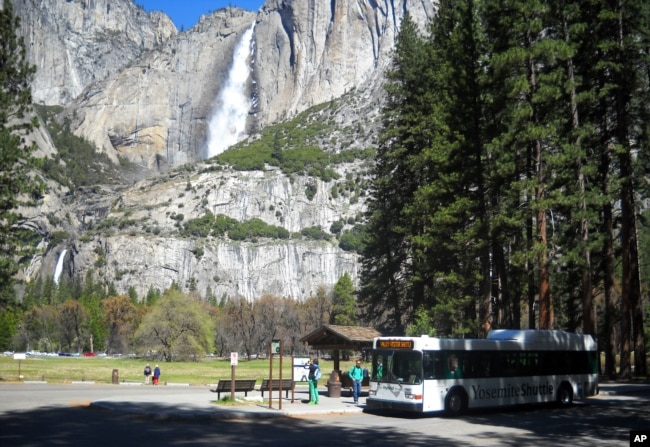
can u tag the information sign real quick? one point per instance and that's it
(300, 369)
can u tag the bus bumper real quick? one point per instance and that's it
(377, 404)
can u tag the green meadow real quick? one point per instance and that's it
(100, 369)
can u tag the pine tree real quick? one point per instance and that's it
(626, 80)
(386, 294)
(450, 228)
(527, 62)
(344, 310)
(17, 187)
(614, 65)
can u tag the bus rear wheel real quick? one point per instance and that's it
(565, 395)
(456, 402)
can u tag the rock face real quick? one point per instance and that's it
(292, 269)
(155, 112)
(312, 52)
(75, 43)
(142, 247)
(136, 88)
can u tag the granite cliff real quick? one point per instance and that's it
(141, 91)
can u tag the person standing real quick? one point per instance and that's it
(314, 376)
(380, 370)
(356, 374)
(147, 374)
(156, 375)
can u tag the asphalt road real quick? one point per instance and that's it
(60, 416)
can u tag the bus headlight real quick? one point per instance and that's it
(408, 394)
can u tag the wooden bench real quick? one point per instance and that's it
(241, 385)
(346, 382)
(287, 385)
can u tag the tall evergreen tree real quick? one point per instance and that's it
(527, 61)
(593, 68)
(15, 162)
(453, 241)
(344, 306)
(629, 43)
(389, 284)
(614, 64)
(16, 185)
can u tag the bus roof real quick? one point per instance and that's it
(506, 339)
(541, 337)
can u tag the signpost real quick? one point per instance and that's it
(280, 381)
(19, 356)
(234, 359)
(275, 348)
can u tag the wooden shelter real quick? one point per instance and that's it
(335, 338)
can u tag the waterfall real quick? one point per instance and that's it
(59, 267)
(228, 123)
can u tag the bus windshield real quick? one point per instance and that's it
(397, 366)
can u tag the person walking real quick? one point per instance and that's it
(156, 375)
(314, 376)
(356, 374)
(147, 374)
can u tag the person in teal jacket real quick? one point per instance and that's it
(356, 374)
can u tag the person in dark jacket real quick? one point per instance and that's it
(156, 375)
(147, 374)
(314, 375)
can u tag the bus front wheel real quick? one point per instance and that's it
(565, 395)
(456, 402)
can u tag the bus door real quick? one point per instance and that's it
(433, 371)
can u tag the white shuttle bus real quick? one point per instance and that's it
(510, 367)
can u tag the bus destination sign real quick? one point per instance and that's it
(395, 344)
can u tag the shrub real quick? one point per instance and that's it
(315, 233)
(337, 226)
(353, 239)
(310, 190)
(222, 225)
(199, 227)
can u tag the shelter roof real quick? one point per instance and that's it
(341, 337)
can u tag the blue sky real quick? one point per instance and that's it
(185, 13)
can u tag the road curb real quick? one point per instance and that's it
(222, 413)
(193, 415)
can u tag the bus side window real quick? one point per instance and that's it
(432, 365)
(439, 365)
(510, 364)
(478, 364)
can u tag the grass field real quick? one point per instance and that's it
(100, 369)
